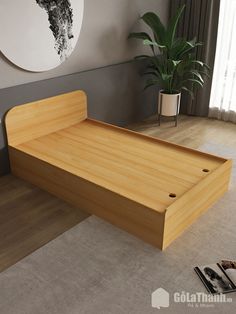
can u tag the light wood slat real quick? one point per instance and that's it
(168, 146)
(142, 162)
(126, 162)
(118, 178)
(30, 121)
(70, 148)
(101, 165)
(140, 149)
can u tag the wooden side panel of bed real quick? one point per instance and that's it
(122, 212)
(84, 163)
(184, 211)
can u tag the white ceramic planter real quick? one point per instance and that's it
(169, 104)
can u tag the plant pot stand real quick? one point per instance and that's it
(175, 119)
(169, 106)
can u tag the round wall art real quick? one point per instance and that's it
(38, 35)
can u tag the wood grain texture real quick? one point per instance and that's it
(129, 215)
(180, 215)
(193, 132)
(147, 186)
(30, 218)
(142, 169)
(32, 120)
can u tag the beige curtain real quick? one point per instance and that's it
(199, 20)
(223, 94)
(221, 114)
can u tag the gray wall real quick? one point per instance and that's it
(99, 65)
(103, 39)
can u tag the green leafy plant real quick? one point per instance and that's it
(173, 64)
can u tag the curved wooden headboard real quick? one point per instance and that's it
(39, 118)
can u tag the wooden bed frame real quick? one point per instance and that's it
(146, 186)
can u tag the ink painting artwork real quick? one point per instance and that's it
(60, 18)
(39, 35)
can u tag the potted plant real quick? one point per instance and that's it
(173, 65)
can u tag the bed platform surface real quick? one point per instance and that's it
(149, 187)
(126, 163)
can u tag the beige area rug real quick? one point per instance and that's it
(96, 268)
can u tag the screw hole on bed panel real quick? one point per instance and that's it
(172, 195)
(205, 170)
